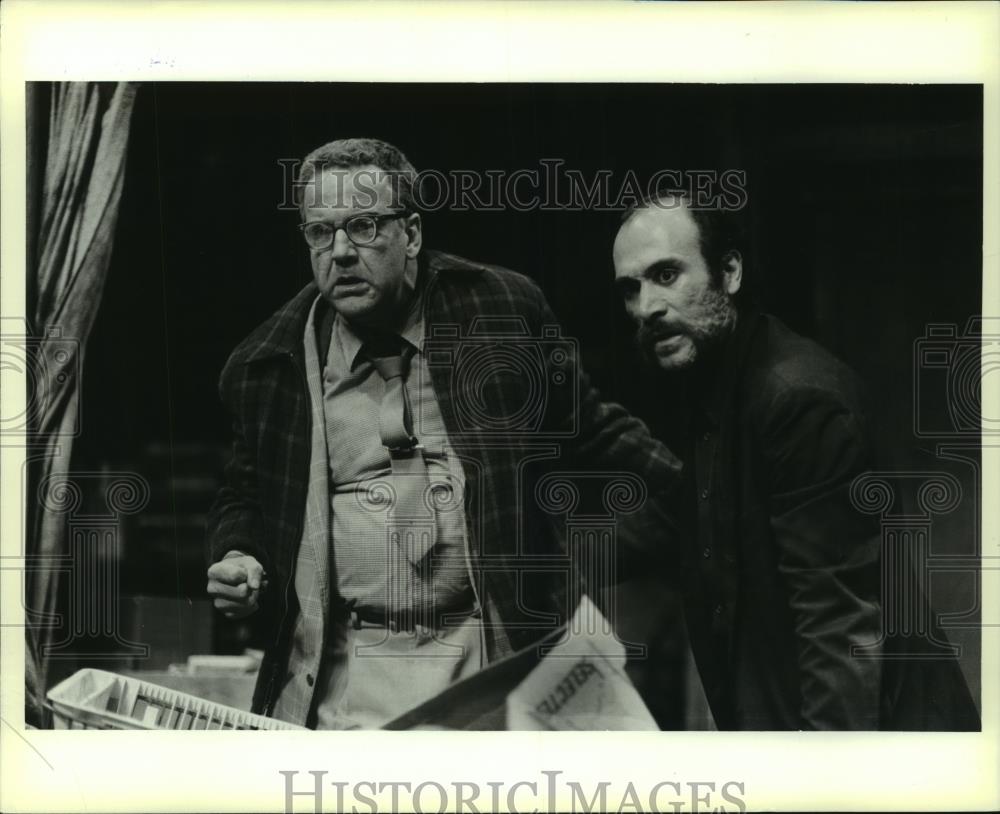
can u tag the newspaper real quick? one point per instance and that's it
(580, 684)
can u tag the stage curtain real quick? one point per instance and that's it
(73, 208)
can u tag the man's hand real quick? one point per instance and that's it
(235, 583)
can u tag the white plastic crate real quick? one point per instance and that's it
(95, 699)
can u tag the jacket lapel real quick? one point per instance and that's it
(316, 528)
(282, 333)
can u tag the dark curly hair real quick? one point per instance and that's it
(720, 230)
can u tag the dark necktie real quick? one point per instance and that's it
(412, 521)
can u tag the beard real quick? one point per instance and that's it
(676, 343)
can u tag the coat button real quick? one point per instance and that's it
(309, 679)
(706, 552)
(706, 436)
(718, 610)
(704, 494)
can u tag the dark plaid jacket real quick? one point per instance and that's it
(500, 420)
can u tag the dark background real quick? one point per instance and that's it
(864, 203)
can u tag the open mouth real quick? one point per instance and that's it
(659, 335)
(348, 281)
(666, 341)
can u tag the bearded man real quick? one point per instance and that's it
(781, 582)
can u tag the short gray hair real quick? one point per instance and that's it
(350, 153)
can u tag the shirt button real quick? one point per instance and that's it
(309, 679)
(704, 494)
(706, 552)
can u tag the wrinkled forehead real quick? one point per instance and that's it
(351, 189)
(656, 233)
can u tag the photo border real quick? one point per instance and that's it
(554, 42)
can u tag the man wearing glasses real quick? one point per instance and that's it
(375, 514)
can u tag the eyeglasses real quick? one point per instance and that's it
(360, 229)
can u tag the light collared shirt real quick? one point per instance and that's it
(371, 675)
